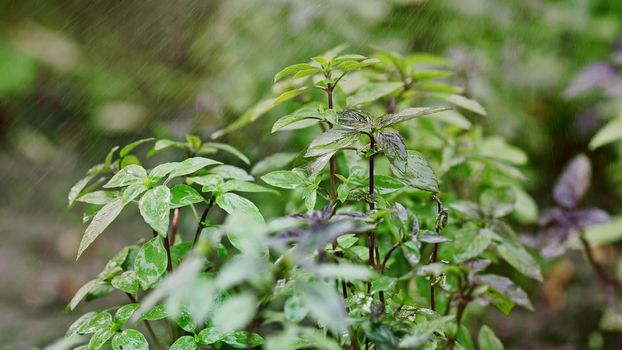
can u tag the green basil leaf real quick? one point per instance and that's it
(124, 313)
(232, 203)
(131, 174)
(126, 282)
(183, 195)
(487, 339)
(104, 217)
(242, 340)
(285, 179)
(150, 262)
(185, 343)
(129, 339)
(155, 209)
(372, 91)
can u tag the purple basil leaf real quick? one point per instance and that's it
(556, 241)
(552, 216)
(355, 119)
(392, 144)
(573, 183)
(590, 216)
(597, 75)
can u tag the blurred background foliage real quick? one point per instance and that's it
(77, 78)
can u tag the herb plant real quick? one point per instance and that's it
(394, 214)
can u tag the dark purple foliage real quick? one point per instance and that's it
(563, 223)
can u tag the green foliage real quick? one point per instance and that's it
(369, 254)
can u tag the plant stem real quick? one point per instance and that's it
(386, 257)
(439, 207)
(432, 293)
(210, 204)
(610, 284)
(332, 162)
(147, 324)
(167, 247)
(174, 225)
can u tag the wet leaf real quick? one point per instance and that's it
(242, 340)
(210, 335)
(124, 313)
(98, 197)
(155, 209)
(183, 195)
(129, 339)
(100, 338)
(104, 217)
(131, 174)
(126, 282)
(83, 291)
(150, 262)
(185, 343)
